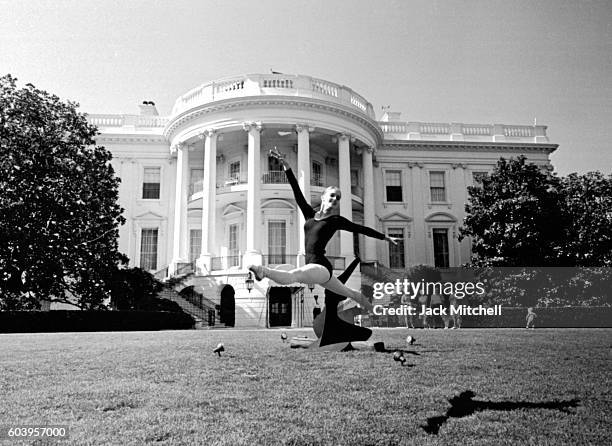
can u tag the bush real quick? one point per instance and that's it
(75, 320)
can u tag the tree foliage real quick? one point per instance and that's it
(588, 207)
(134, 289)
(525, 217)
(515, 216)
(59, 214)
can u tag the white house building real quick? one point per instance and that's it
(203, 199)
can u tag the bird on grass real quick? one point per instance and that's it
(284, 337)
(219, 349)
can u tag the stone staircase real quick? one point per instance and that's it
(204, 314)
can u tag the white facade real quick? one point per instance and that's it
(198, 187)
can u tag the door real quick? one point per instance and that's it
(279, 311)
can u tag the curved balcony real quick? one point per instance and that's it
(274, 85)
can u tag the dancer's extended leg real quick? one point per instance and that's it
(311, 273)
(335, 286)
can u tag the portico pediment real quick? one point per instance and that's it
(397, 216)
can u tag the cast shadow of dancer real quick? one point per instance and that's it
(464, 405)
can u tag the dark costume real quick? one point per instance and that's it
(319, 232)
(329, 327)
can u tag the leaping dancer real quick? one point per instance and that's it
(319, 228)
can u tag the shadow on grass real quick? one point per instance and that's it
(464, 405)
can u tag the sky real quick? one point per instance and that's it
(471, 61)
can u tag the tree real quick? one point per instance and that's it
(525, 217)
(59, 215)
(588, 206)
(134, 289)
(515, 217)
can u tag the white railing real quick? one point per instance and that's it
(271, 84)
(435, 128)
(127, 120)
(476, 129)
(458, 131)
(519, 131)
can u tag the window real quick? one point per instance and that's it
(397, 258)
(393, 185)
(277, 242)
(234, 172)
(354, 177)
(148, 249)
(150, 183)
(195, 182)
(232, 243)
(317, 174)
(440, 241)
(436, 185)
(356, 244)
(195, 244)
(478, 177)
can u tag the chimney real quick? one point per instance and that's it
(147, 108)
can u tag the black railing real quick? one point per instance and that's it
(184, 268)
(161, 274)
(206, 308)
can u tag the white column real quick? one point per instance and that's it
(346, 206)
(369, 218)
(253, 242)
(180, 205)
(209, 191)
(303, 177)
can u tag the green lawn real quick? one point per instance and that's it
(529, 387)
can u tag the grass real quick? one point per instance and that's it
(527, 387)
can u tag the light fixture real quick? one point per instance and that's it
(249, 282)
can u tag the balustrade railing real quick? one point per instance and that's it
(106, 120)
(488, 132)
(337, 262)
(279, 259)
(226, 262)
(266, 84)
(274, 177)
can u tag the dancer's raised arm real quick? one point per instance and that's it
(304, 206)
(347, 225)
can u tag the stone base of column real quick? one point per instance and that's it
(300, 260)
(204, 264)
(252, 258)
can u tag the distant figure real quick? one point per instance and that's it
(454, 303)
(406, 300)
(530, 318)
(423, 304)
(436, 302)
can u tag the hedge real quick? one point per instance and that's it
(552, 317)
(75, 320)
